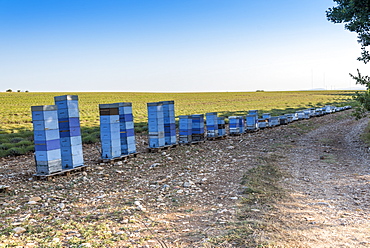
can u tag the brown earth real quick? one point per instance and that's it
(192, 196)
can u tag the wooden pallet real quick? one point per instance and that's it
(192, 143)
(158, 149)
(4, 188)
(60, 173)
(235, 134)
(217, 138)
(122, 158)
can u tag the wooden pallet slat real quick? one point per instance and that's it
(217, 138)
(162, 148)
(60, 173)
(121, 158)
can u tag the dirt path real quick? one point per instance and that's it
(192, 196)
(329, 185)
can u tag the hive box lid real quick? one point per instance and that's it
(108, 105)
(154, 104)
(125, 104)
(65, 97)
(168, 102)
(44, 108)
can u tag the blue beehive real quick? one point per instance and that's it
(127, 131)
(211, 124)
(234, 125)
(110, 131)
(69, 126)
(253, 112)
(185, 129)
(241, 124)
(169, 122)
(307, 113)
(197, 133)
(221, 126)
(251, 122)
(156, 124)
(262, 123)
(266, 116)
(300, 115)
(274, 121)
(283, 120)
(46, 138)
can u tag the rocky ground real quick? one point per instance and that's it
(193, 196)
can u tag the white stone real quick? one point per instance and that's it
(85, 245)
(19, 230)
(35, 199)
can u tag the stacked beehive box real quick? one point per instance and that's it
(185, 129)
(156, 124)
(241, 124)
(262, 123)
(307, 113)
(300, 114)
(289, 117)
(47, 140)
(127, 131)
(234, 125)
(266, 116)
(251, 122)
(110, 131)
(253, 112)
(169, 122)
(211, 124)
(274, 121)
(70, 131)
(221, 126)
(197, 133)
(283, 120)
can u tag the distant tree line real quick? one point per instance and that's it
(10, 90)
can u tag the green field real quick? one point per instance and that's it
(16, 125)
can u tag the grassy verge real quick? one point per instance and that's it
(366, 135)
(261, 190)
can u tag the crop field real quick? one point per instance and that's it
(15, 113)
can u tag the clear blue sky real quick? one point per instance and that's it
(170, 45)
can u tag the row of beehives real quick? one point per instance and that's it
(57, 131)
(253, 122)
(192, 129)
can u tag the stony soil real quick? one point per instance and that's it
(192, 196)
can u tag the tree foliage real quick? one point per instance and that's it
(355, 14)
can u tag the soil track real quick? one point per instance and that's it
(330, 183)
(192, 196)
